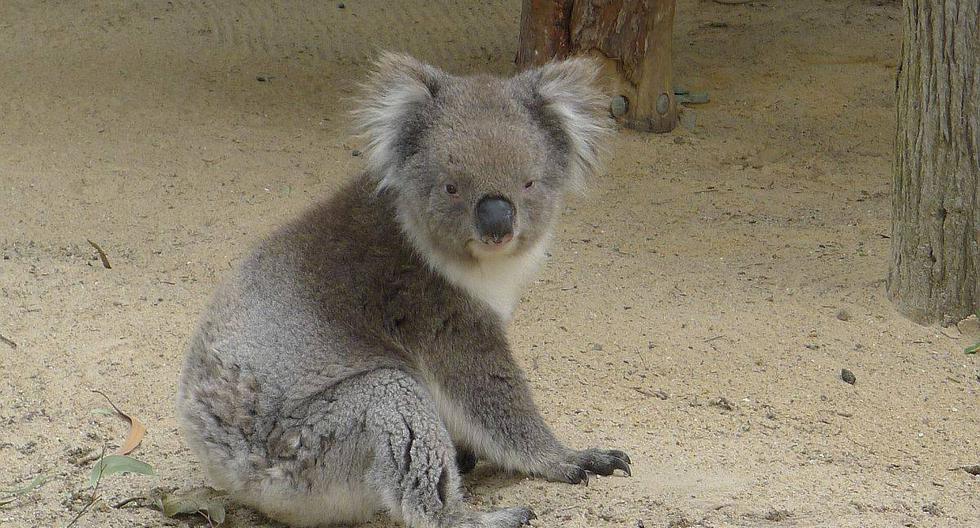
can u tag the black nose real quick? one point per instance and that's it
(494, 218)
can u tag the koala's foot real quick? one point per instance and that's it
(508, 518)
(575, 466)
(414, 466)
(503, 518)
(465, 460)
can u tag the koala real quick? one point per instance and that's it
(357, 359)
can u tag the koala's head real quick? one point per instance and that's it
(477, 166)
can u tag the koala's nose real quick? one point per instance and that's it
(495, 219)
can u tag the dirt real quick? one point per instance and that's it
(690, 311)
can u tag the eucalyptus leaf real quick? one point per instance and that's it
(113, 464)
(37, 482)
(203, 501)
(973, 349)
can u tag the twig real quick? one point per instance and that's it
(113, 405)
(8, 342)
(124, 502)
(710, 339)
(206, 517)
(102, 256)
(95, 492)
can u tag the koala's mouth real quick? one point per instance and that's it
(488, 246)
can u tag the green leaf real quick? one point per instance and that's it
(204, 501)
(38, 481)
(113, 464)
(972, 349)
(11, 494)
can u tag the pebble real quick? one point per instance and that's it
(842, 315)
(848, 376)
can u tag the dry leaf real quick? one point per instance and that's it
(136, 428)
(204, 501)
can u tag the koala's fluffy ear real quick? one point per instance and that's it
(565, 100)
(397, 95)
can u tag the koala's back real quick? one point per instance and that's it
(313, 305)
(302, 300)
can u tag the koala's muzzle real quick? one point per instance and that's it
(495, 219)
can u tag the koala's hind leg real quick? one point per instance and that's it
(414, 468)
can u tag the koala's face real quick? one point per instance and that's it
(478, 165)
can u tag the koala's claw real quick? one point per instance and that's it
(601, 462)
(566, 472)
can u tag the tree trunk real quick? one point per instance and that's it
(631, 37)
(935, 266)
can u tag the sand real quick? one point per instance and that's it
(697, 309)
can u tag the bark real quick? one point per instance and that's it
(631, 37)
(935, 266)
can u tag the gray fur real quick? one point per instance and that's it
(359, 351)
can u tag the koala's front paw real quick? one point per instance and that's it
(577, 465)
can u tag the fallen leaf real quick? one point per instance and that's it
(136, 428)
(11, 494)
(38, 481)
(202, 501)
(113, 464)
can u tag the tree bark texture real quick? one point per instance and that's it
(632, 38)
(935, 259)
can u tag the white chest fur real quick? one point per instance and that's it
(497, 281)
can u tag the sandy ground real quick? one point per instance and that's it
(697, 310)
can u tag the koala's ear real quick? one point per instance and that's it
(563, 97)
(397, 96)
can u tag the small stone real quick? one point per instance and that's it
(679, 140)
(355, 153)
(842, 315)
(596, 347)
(969, 327)
(262, 78)
(341, 5)
(973, 470)
(848, 376)
(723, 403)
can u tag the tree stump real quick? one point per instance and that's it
(632, 38)
(935, 258)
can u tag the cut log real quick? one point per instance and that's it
(632, 38)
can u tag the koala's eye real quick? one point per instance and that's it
(529, 184)
(451, 189)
